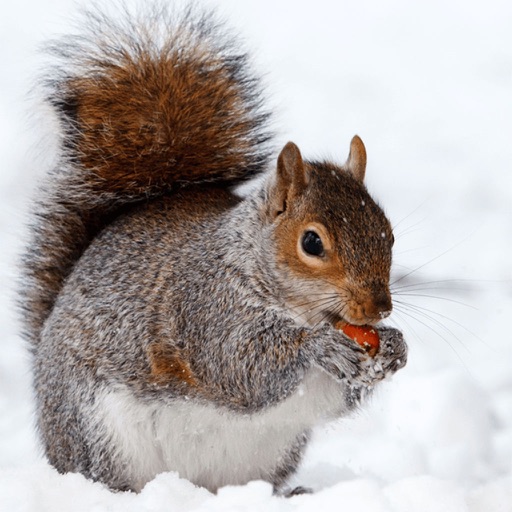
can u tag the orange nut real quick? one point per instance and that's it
(365, 335)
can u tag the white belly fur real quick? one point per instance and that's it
(208, 445)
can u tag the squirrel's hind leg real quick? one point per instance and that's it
(73, 439)
(287, 466)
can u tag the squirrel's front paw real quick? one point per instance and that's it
(392, 353)
(339, 356)
(390, 357)
(347, 361)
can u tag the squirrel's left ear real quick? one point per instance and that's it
(356, 162)
(291, 179)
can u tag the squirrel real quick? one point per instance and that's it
(175, 324)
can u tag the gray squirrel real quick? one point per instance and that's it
(173, 324)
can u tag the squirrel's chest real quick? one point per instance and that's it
(211, 446)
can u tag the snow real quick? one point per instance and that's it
(427, 87)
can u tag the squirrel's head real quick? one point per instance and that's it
(333, 242)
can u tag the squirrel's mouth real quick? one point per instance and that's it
(335, 318)
(338, 314)
(370, 309)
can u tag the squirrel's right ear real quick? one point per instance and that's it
(356, 162)
(291, 179)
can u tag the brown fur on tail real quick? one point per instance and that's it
(146, 104)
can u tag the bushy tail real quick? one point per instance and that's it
(146, 103)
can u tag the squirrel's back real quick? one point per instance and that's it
(146, 104)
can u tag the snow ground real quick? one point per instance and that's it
(427, 85)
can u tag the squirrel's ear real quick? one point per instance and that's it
(356, 162)
(291, 178)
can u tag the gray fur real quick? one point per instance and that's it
(202, 284)
(245, 373)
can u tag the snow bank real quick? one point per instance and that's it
(41, 488)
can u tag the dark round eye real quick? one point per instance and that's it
(312, 244)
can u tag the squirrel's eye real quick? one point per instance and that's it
(312, 244)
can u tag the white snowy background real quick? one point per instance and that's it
(428, 86)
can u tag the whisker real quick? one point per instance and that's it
(408, 325)
(437, 282)
(319, 301)
(421, 205)
(408, 229)
(444, 317)
(431, 260)
(427, 295)
(412, 310)
(316, 305)
(437, 333)
(323, 313)
(407, 251)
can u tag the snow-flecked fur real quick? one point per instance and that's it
(174, 325)
(146, 103)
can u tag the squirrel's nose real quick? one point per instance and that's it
(378, 306)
